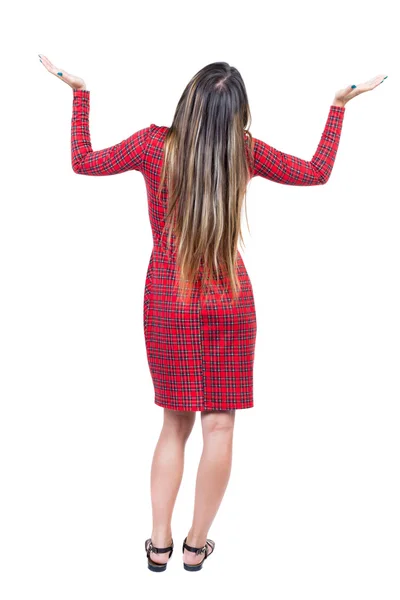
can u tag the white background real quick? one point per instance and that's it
(311, 509)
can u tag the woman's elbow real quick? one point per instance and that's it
(76, 168)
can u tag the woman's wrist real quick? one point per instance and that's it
(338, 103)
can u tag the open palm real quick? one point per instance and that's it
(348, 93)
(72, 80)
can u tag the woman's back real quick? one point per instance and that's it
(200, 353)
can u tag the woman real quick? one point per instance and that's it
(199, 314)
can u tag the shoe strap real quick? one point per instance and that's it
(193, 549)
(151, 548)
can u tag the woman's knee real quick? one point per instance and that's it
(179, 421)
(218, 421)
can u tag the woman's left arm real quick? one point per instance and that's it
(125, 156)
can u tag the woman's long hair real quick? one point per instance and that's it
(207, 165)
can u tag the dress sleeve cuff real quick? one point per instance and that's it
(339, 109)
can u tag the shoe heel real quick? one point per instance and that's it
(154, 566)
(202, 550)
(157, 568)
(192, 567)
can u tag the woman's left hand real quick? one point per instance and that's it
(72, 80)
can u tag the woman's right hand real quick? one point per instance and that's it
(346, 94)
(75, 82)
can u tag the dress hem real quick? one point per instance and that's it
(201, 409)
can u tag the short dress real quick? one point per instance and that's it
(200, 354)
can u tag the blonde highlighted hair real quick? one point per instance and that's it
(207, 163)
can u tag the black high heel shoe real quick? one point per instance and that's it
(207, 549)
(155, 566)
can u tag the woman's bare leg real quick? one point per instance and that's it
(212, 477)
(166, 475)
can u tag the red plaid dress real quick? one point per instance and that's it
(200, 354)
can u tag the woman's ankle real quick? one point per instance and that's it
(196, 539)
(161, 539)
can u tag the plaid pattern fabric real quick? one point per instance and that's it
(200, 354)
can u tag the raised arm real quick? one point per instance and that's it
(273, 164)
(125, 156)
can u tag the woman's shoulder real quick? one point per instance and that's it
(158, 130)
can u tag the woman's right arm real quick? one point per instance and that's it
(273, 164)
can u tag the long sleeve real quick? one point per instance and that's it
(273, 164)
(125, 156)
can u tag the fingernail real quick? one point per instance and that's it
(59, 74)
(353, 86)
